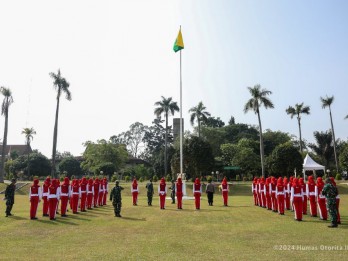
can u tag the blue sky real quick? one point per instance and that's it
(118, 58)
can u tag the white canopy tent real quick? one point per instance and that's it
(310, 164)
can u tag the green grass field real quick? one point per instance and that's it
(238, 232)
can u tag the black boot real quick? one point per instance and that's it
(333, 224)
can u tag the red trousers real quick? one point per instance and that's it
(100, 198)
(179, 199)
(75, 202)
(63, 204)
(198, 200)
(322, 208)
(225, 197)
(34, 202)
(287, 201)
(95, 198)
(280, 201)
(45, 206)
(304, 207)
(162, 201)
(312, 206)
(135, 197)
(259, 199)
(105, 197)
(274, 202)
(268, 201)
(263, 199)
(255, 198)
(83, 201)
(297, 203)
(89, 200)
(53, 202)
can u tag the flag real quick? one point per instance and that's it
(179, 43)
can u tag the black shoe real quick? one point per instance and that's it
(332, 226)
(339, 222)
(34, 218)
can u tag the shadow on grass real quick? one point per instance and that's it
(17, 217)
(134, 219)
(79, 217)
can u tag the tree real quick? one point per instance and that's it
(284, 159)
(133, 138)
(8, 100)
(28, 132)
(39, 165)
(71, 166)
(271, 139)
(166, 106)
(344, 158)
(258, 98)
(298, 110)
(62, 86)
(327, 103)
(200, 114)
(323, 148)
(231, 121)
(213, 122)
(102, 152)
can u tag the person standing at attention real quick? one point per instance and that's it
(115, 197)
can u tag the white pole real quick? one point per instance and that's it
(181, 127)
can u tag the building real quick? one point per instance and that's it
(19, 150)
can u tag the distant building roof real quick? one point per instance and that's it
(20, 149)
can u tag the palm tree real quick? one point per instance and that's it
(258, 97)
(8, 100)
(297, 110)
(62, 86)
(323, 147)
(166, 106)
(198, 113)
(28, 132)
(327, 103)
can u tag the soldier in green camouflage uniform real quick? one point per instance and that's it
(150, 192)
(330, 192)
(9, 197)
(115, 197)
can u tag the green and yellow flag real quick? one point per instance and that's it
(179, 43)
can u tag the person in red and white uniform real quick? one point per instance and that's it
(35, 195)
(268, 194)
(287, 193)
(272, 190)
(312, 197)
(135, 191)
(321, 199)
(178, 192)
(258, 192)
(304, 191)
(45, 186)
(280, 195)
(224, 190)
(262, 192)
(289, 187)
(90, 194)
(65, 194)
(162, 192)
(101, 193)
(197, 192)
(96, 186)
(106, 190)
(254, 191)
(83, 191)
(75, 195)
(337, 201)
(53, 198)
(297, 198)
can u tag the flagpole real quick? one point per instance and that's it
(181, 127)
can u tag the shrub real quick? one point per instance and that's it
(245, 179)
(113, 178)
(168, 178)
(209, 178)
(237, 178)
(154, 178)
(338, 176)
(141, 179)
(126, 178)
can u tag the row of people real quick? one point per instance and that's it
(83, 194)
(279, 194)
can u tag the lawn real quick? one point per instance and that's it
(238, 232)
